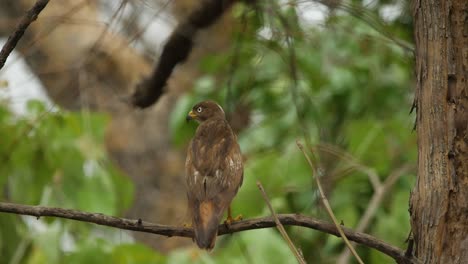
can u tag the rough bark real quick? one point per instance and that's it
(439, 201)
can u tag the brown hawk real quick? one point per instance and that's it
(214, 171)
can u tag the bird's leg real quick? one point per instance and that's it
(186, 222)
(229, 218)
(188, 225)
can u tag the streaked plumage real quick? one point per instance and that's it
(214, 171)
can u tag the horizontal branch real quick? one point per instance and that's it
(238, 226)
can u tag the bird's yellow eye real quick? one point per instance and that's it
(199, 109)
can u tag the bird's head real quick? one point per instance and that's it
(205, 110)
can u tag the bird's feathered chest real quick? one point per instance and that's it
(211, 146)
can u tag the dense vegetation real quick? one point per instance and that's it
(341, 85)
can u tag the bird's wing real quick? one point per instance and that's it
(214, 163)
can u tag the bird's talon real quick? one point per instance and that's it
(229, 220)
(238, 218)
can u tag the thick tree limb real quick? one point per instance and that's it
(13, 39)
(169, 231)
(177, 49)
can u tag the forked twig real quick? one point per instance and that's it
(373, 205)
(327, 205)
(280, 227)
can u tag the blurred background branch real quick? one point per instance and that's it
(380, 191)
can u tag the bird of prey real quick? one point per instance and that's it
(214, 171)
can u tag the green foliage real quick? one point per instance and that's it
(57, 158)
(101, 251)
(256, 246)
(352, 92)
(348, 94)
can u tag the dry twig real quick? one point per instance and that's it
(328, 207)
(379, 193)
(280, 227)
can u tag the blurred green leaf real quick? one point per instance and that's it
(182, 130)
(96, 251)
(255, 246)
(57, 159)
(135, 254)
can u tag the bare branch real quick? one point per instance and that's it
(280, 227)
(13, 39)
(238, 226)
(373, 205)
(355, 163)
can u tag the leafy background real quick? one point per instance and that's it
(349, 96)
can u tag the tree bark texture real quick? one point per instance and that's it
(439, 201)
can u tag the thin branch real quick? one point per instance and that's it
(280, 227)
(355, 163)
(378, 197)
(370, 19)
(373, 205)
(327, 205)
(24, 23)
(275, 9)
(238, 226)
(234, 65)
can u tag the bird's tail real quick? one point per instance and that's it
(205, 224)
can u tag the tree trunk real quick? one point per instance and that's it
(439, 201)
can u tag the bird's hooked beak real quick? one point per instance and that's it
(191, 115)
